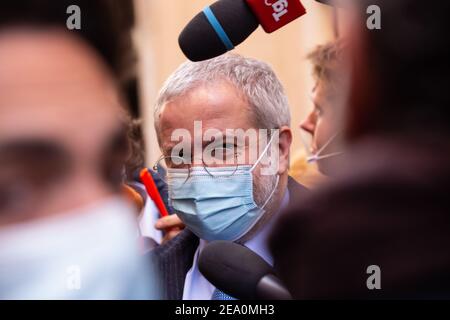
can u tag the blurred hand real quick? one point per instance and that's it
(171, 226)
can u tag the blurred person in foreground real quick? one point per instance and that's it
(198, 116)
(388, 208)
(66, 230)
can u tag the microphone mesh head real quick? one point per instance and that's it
(233, 268)
(199, 41)
(330, 2)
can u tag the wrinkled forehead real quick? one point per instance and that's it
(53, 86)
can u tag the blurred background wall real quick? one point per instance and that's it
(159, 23)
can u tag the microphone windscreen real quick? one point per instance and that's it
(233, 268)
(199, 40)
(335, 3)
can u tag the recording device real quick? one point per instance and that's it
(226, 23)
(240, 273)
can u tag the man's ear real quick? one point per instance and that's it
(284, 145)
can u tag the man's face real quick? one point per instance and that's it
(323, 123)
(218, 106)
(61, 140)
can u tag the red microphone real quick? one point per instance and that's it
(275, 14)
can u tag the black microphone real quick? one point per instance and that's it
(227, 23)
(240, 273)
(329, 2)
(199, 41)
(336, 3)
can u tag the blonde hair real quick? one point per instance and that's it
(328, 63)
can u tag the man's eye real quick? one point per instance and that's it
(225, 152)
(229, 146)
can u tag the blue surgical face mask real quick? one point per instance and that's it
(217, 203)
(88, 253)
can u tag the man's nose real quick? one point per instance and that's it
(309, 125)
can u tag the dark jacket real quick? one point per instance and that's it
(175, 258)
(389, 206)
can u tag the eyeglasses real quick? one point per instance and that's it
(219, 157)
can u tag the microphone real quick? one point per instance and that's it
(335, 3)
(240, 273)
(227, 23)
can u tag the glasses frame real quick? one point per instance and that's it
(190, 166)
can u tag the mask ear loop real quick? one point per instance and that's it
(272, 193)
(263, 153)
(278, 176)
(318, 155)
(261, 208)
(316, 158)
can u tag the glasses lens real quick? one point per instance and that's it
(221, 162)
(167, 163)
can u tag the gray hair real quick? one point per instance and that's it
(254, 78)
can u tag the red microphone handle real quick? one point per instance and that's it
(275, 14)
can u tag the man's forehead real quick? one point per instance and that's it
(217, 105)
